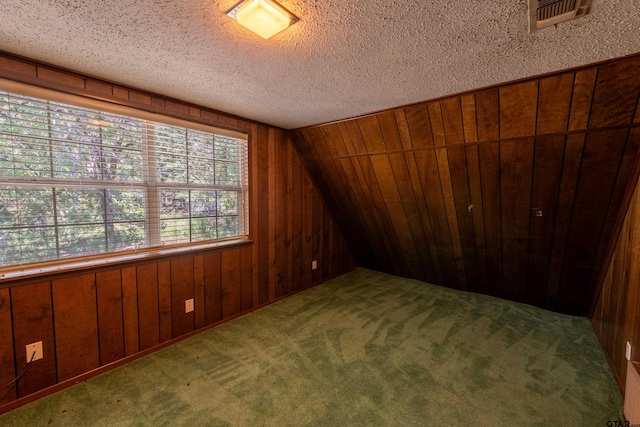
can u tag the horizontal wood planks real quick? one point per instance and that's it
(513, 191)
(94, 318)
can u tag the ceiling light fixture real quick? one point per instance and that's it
(264, 17)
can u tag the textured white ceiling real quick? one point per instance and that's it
(342, 59)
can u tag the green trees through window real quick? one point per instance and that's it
(76, 181)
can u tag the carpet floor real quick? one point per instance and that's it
(365, 348)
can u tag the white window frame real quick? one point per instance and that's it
(150, 187)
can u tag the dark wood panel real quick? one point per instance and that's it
(424, 267)
(547, 173)
(182, 289)
(164, 300)
(600, 162)
(477, 213)
(616, 315)
(245, 278)
(583, 86)
(419, 126)
(297, 224)
(281, 220)
(518, 106)
(468, 105)
(393, 205)
(616, 94)
(569, 180)
(491, 202)
(307, 231)
(7, 359)
(463, 207)
(76, 325)
(371, 134)
(516, 170)
(110, 321)
(148, 305)
(198, 281)
(452, 119)
(32, 313)
(130, 311)
(212, 287)
(230, 282)
(418, 192)
(554, 103)
(488, 115)
(263, 219)
(428, 168)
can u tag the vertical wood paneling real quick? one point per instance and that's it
(130, 311)
(570, 173)
(491, 203)
(7, 365)
(230, 282)
(547, 171)
(198, 279)
(554, 103)
(616, 94)
(430, 179)
(212, 287)
(32, 311)
(581, 100)
(600, 163)
(182, 289)
(76, 325)
(245, 278)
(164, 300)
(148, 305)
(616, 315)
(516, 167)
(110, 320)
(461, 210)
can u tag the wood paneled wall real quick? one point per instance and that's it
(90, 319)
(512, 191)
(616, 317)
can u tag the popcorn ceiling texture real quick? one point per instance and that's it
(342, 59)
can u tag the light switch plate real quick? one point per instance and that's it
(628, 352)
(314, 264)
(188, 306)
(32, 348)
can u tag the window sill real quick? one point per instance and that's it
(9, 274)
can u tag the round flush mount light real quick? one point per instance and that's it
(266, 18)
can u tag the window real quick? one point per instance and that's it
(78, 181)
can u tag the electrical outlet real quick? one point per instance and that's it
(188, 306)
(314, 264)
(628, 352)
(32, 348)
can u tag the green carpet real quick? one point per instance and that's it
(363, 349)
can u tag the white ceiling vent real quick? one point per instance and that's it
(543, 13)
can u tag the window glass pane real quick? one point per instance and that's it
(171, 152)
(203, 204)
(203, 228)
(80, 206)
(25, 207)
(228, 226)
(227, 203)
(81, 240)
(174, 231)
(23, 245)
(226, 173)
(127, 235)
